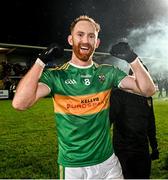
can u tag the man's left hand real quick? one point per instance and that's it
(123, 51)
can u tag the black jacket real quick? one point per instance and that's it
(133, 122)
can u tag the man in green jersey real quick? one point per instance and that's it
(81, 90)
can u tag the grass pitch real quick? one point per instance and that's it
(28, 145)
(28, 141)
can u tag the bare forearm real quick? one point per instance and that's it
(26, 90)
(143, 78)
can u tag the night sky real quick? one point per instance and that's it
(143, 23)
(42, 22)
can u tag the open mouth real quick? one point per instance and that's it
(84, 49)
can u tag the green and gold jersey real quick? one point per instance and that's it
(81, 105)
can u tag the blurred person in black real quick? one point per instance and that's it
(134, 129)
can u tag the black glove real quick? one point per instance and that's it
(53, 51)
(123, 51)
(155, 154)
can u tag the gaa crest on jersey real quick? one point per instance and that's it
(101, 77)
(70, 81)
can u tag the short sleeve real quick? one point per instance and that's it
(118, 75)
(46, 78)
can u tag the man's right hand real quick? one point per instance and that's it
(53, 51)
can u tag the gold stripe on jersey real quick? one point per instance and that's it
(61, 172)
(62, 67)
(81, 105)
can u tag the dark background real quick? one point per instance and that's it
(143, 23)
(42, 22)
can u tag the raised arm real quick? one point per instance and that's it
(141, 82)
(29, 90)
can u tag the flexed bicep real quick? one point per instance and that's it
(129, 84)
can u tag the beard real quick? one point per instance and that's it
(83, 54)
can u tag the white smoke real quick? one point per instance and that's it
(151, 44)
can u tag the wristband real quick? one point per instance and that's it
(39, 62)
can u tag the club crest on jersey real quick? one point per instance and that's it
(102, 78)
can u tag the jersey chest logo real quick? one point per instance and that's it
(101, 78)
(70, 81)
